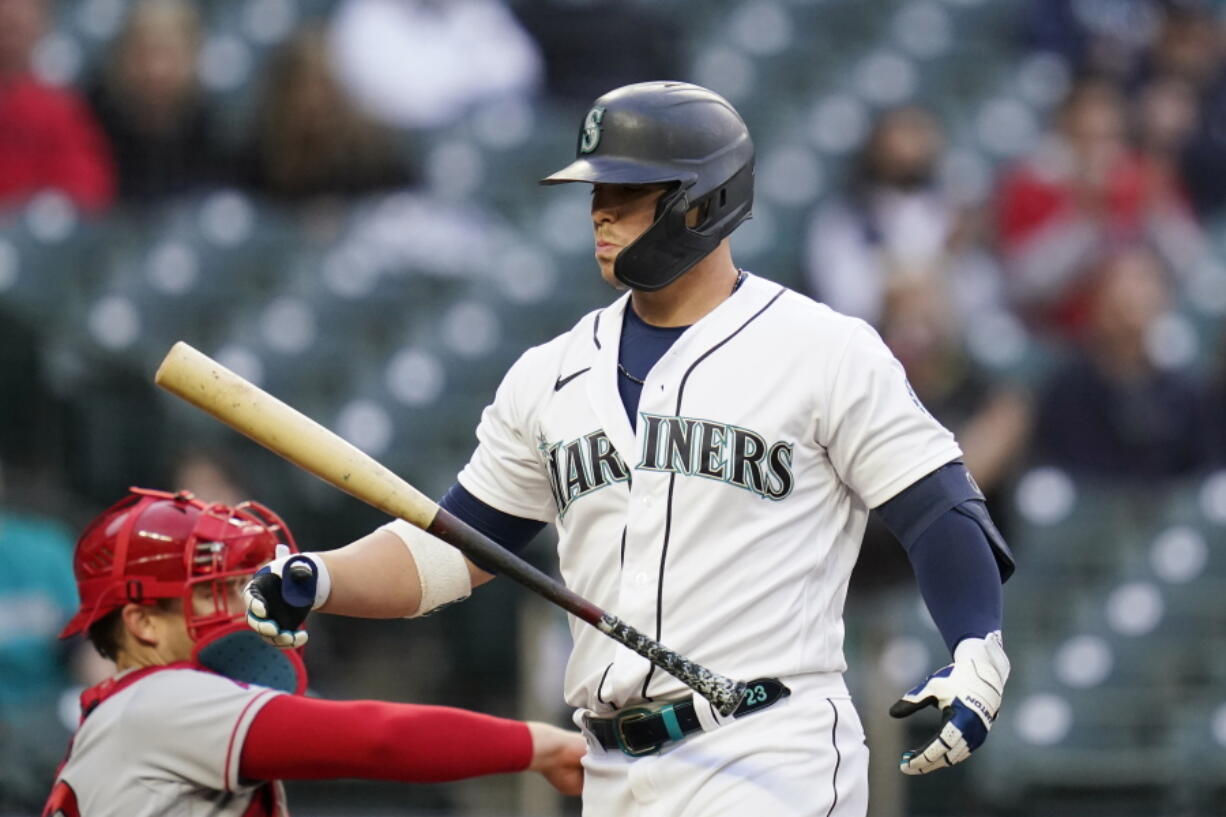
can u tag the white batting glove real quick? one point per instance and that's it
(282, 592)
(968, 692)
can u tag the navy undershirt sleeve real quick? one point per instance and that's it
(958, 578)
(512, 532)
(950, 487)
(959, 557)
(641, 346)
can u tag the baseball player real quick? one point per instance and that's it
(709, 446)
(198, 719)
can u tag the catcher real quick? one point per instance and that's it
(204, 716)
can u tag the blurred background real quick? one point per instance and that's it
(337, 199)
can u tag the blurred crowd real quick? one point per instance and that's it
(1092, 243)
(335, 107)
(1097, 246)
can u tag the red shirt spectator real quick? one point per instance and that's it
(1084, 192)
(48, 139)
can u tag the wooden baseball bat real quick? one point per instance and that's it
(206, 384)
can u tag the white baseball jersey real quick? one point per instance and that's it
(168, 743)
(725, 525)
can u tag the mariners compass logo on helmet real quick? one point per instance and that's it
(589, 137)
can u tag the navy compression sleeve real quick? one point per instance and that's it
(958, 556)
(957, 578)
(512, 532)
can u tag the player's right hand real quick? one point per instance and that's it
(557, 754)
(281, 594)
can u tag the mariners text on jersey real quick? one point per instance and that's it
(687, 446)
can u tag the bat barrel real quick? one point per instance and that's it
(206, 384)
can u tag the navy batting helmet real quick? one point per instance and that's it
(675, 133)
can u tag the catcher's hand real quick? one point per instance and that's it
(281, 594)
(968, 692)
(558, 754)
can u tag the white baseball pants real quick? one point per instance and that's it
(804, 756)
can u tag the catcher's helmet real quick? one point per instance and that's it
(668, 132)
(156, 545)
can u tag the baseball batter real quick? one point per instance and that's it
(709, 447)
(197, 720)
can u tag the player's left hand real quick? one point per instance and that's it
(968, 692)
(282, 592)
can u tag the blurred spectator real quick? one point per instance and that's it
(150, 104)
(48, 139)
(1110, 412)
(594, 45)
(895, 226)
(423, 63)
(1187, 45)
(209, 477)
(311, 139)
(1189, 49)
(1164, 120)
(1085, 191)
(990, 417)
(1192, 50)
(37, 596)
(1106, 37)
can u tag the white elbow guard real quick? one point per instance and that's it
(441, 569)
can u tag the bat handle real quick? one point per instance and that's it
(724, 693)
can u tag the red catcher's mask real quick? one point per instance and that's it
(155, 545)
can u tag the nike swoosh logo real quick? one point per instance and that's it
(562, 381)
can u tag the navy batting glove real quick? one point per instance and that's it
(968, 693)
(282, 593)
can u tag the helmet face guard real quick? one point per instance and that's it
(668, 133)
(226, 547)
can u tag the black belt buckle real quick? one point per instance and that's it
(630, 716)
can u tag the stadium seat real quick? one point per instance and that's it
(1095, 748)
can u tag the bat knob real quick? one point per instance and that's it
(299, 578)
